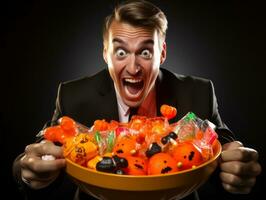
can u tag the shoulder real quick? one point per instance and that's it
(94, 79)
(84, 89)
(192, 93)
(185, 81)
(94, 84)
(80, 98)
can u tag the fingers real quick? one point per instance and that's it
(237, 181)
(247, 169)
(239, 167)
(236, 190)
(44, 148)
(30, 176)
(39, 173)
(36, 164)
(239, 153)
(232, 145)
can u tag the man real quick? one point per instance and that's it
(134, 48)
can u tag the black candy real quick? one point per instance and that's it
(120, 162)
(155, 148)
(106, 165)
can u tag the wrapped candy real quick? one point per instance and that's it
(105, 141)
(187, 127)
(198, 132)
(205, 139)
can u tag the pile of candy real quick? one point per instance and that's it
(143, 146)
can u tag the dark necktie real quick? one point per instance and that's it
(133, 111)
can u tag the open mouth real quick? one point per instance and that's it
(133, 86)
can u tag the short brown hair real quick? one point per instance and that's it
(137, 13)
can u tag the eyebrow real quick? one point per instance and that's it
(118, 40)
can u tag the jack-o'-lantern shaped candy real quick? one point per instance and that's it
(125, 146)
(136, 165)
(80, 149)
(161, 163)
(167, 111)
(187, 155)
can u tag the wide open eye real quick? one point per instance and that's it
(120, 53)
(146, 54)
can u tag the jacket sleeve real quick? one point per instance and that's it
(224, 133)
(62, 185)
(58, 107)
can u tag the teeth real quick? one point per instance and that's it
(132, 80)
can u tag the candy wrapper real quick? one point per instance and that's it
(199, 132)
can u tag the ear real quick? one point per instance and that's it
(105, 54)
(163, 53)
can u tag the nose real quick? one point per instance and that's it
(133, 67)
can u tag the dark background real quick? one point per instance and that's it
(46, 42)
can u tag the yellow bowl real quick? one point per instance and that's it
(119, 187)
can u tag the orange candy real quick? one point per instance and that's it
(80, 150)
(158, 129)
(187, 155)
(68, 125)
(54, 134)
(161, 163)
(113, 125)
(136, 165)
(137, 122)
(126, 146)
(66, 129)
(168, 111)
(100, 125)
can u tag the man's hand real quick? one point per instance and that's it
(38, 172)
(239, 167)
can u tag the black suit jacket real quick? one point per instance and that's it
(94, 97)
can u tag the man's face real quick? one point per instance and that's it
(133, 55)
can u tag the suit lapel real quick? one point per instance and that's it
(106, 92)
(166, 91)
